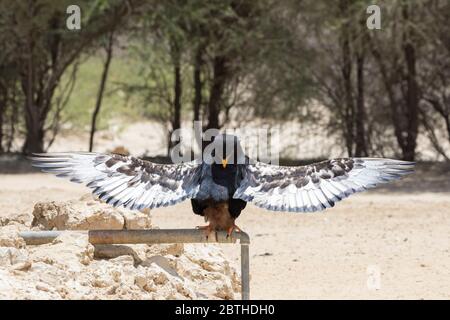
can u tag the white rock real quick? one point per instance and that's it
(9, 236)
(50, 215)
(76, 215)
(12, 256)
(43, 287)
(136, 219)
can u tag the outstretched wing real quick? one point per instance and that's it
(317, 186)
(121, 180)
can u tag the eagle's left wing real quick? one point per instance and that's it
(125, 181)
(317, 186)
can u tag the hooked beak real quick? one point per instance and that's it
(224, 163)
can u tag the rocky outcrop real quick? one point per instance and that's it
(87, 213)
(71, 268)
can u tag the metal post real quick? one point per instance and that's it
(98, 237)
(245, 271)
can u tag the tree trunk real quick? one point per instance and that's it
(412, 104)
(177, 91)
(443, 111)
(197, 84)
(432, 135)
(34, 140)
(12, 120)
(389, 82)
(220, 74)
(1, 128)
(176, 123)
(360, 138)
(346, 71)
(412, 94)
(38, 86)
(175, 104)
(109, 50)
(3, 103)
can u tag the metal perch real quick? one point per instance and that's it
(39, 237)
(98, 237)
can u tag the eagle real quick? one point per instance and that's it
(220, 184)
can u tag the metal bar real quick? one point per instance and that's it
(39, 237)
(102, 237)
(163, 236)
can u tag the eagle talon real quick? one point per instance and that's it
(234, 228)
(207, 230)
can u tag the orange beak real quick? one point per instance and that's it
(224, 163)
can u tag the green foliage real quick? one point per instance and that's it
(78, 111)
(150, 91)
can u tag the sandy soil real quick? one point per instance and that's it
(398, 235)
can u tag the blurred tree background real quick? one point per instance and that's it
(376, 92)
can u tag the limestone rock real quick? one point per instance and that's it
(87, 213)
(9, 236)
(14, 218)
(50, 215)
(136, 219)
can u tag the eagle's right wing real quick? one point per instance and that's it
(125, 181)
(317, 186)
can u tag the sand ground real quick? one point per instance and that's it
(389, 243)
